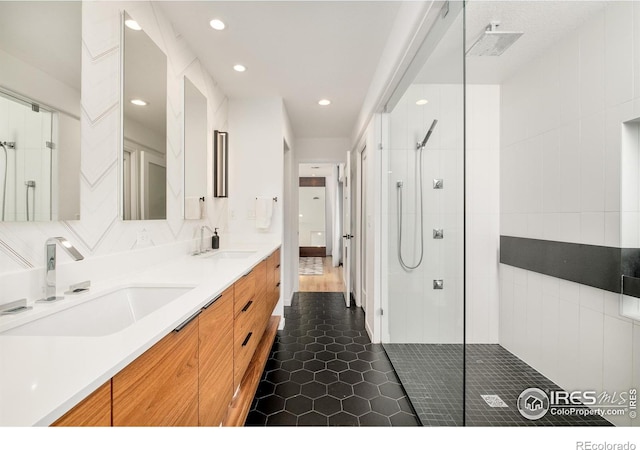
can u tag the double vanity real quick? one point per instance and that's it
(168, 346)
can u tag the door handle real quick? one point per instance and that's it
(348, 236)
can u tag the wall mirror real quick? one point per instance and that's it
(195, 149)
(144, 147)
(312, 218)
(40, 66)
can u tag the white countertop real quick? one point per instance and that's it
(42, 377)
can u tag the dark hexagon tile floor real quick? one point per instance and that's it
(324, 371)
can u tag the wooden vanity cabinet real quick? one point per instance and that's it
(93, 411)
(216, 359)
(160, 388)
(190, 377)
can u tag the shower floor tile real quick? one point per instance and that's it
(432, 377)
(324, 371)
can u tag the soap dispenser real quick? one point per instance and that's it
(215, 239)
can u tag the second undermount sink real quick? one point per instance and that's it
(105, 314)
(230, 254)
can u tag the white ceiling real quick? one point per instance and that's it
(46, 35)
(544, 23)
(300, 50)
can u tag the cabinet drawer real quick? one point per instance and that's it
(245, 340)
(245, 291)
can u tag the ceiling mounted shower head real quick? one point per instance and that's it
(492, 42)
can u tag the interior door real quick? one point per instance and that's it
(364, 222)
(346, 229)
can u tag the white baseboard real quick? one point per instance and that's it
(281, 324)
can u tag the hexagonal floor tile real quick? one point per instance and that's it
(350, 376)
(374, 419)
(278, 376)
(314, 347)
(315, 365)
(337, 365)
(346, 356)
(291, 365)
(344, 340)
(313, 389)
(299, 405)
(325, 356)
(384, 406)
(402, 419)
(356, 405)
(270, 405)
(375, 377)
(324, 340)
(301, 376)
(327, 405)
(359, 365)
(343, 419)
(335, 348)
(391, 390)
(366, 390)
(340, 390)
(303, 355)
(313, 419)
(283, 418)
(326, 377)
(286, 390)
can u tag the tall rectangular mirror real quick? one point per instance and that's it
(144, 155)
(40, 66)
(195, 149)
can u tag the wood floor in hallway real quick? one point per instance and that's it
(329, 281)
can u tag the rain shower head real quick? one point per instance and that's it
(492, 42)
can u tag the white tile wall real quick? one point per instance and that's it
(590, 190)
(418, 313)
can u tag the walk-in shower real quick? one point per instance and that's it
(494, 276)
(420, 147)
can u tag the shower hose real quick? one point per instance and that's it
(399, 185)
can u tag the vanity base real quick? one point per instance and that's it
(241, 403)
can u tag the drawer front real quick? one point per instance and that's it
(245, 291)
(216, 360)
(245, 341)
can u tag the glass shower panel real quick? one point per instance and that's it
(26, 132)
(423, 201)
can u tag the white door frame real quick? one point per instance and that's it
(346, 230)
(361, 236)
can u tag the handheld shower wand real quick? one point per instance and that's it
(419, 146)
(4, 146)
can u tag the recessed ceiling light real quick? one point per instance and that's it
(300, 215)
(313, 174)
(422, 101)
(132, 24)
(315, 167)
(138, 102)
(239, 68)
(324, 102)
(217, 24)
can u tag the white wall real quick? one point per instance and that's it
(100, 230)
(322, 150)
(256, 160)
(560, 163)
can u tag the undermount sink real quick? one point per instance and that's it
(230, 254)
(105, 314)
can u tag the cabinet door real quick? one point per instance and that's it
(216, 360)
(93, 411)
(160, 388)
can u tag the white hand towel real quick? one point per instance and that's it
(264, 211)
(192, 208)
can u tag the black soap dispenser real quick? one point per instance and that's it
(215, 240)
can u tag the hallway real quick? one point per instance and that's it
(324, 371)
(329, 281)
